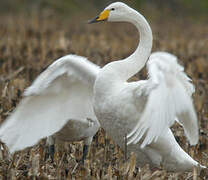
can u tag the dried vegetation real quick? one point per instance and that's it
(29, 45)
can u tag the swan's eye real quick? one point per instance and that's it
(112, 9)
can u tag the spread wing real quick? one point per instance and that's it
(168, 92)
(63, 91)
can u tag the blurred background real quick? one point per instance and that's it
(194, 8)
(33, 33)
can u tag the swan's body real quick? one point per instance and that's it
(145, 109)
(72, 87)
(165, 150)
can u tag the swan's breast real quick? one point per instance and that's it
(115, 108)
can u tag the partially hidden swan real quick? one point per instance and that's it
(74, 130)
(74, 88)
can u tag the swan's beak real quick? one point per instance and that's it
(102, 17)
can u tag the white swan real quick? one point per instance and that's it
(145, 109)
(59, 99)
(65, 91)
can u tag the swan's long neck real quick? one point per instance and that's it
(128, 67)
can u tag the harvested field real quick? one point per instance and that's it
(29, 44)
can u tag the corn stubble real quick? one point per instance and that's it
(29, 45)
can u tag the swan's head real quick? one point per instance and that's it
(116, 12)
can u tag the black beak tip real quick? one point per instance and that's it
(94, 20)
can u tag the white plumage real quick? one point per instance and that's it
(168, 97)
(72, 87)
(74, 130)
(62, 92)
(146, 109)
(77, 130)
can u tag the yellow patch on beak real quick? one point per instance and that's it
(103, 15)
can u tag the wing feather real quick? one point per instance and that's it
(62, 92)
(168, 99)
